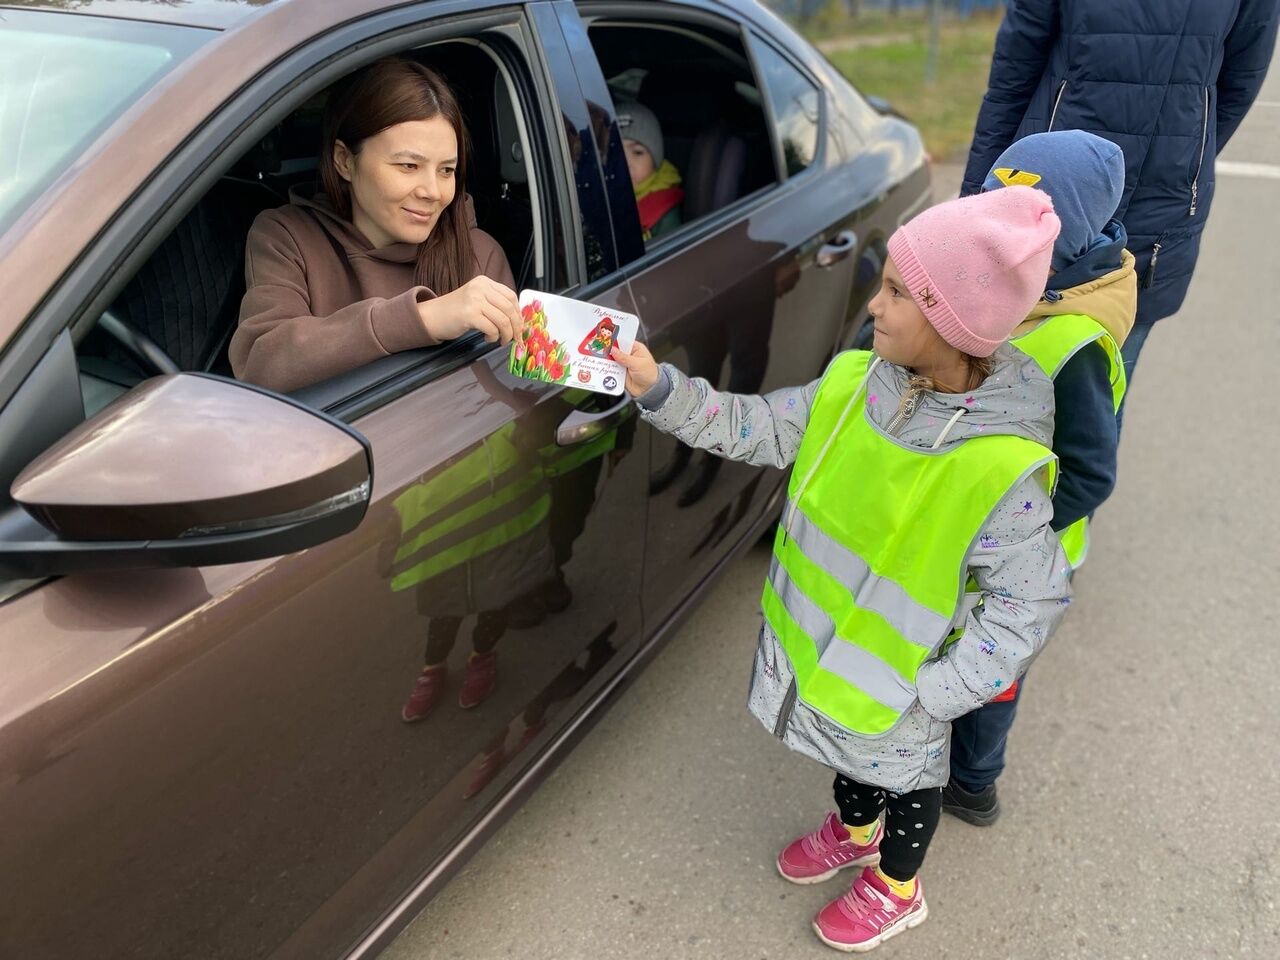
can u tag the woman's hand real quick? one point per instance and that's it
(642, 369)
(479, 304)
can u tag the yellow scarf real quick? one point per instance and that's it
(664, 177)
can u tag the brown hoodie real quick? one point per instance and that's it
(321, 300)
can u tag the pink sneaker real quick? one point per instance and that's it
(426, 692)
(478, 681)
(822, 854)
(490, 763)
(869, 914)
(495, 758)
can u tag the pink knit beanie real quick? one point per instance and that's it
(976, 266)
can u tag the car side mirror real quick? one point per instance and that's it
(883, 107)
(186, 470)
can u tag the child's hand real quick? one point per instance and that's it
(642, 369)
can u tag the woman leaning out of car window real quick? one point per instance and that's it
(387, 255)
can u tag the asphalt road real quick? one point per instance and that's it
(1142, 795)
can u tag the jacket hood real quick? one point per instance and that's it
(344, 232)
(1016, 400)
(1082, 173)
(1104, 255)
(1111, 299)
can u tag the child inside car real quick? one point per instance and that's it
(655, 179)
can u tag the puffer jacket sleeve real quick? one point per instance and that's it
(1245, 58)
(1026, 587)
(1022, 49)
(764, 431)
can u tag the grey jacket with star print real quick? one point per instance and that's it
(1018, 565)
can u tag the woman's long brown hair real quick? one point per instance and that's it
(386, 93)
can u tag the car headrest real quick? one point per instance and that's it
(263, 158)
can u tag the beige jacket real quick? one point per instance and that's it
(1112, 300)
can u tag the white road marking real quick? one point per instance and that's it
(1239, 168)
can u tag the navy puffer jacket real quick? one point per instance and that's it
(1167, 80)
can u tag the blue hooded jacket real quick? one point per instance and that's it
(1167, 81)
(1084, 176)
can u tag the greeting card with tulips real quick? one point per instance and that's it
(569, 341)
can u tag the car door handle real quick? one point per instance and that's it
(580, 426)
(830, 254)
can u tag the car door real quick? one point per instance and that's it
(214, 762)
(752, 291)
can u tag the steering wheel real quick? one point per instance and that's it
(149, 354)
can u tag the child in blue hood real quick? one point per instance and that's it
(1074, 333)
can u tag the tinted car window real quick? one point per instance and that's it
(686, 94)
(796, 107)
(65, 79)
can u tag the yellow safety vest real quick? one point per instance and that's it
(1051, 344)
(870, 560)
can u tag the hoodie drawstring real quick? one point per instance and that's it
(947, 429)
(822, 454)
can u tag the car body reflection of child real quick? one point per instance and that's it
(655, 179)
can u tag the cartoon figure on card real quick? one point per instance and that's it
(599, 342)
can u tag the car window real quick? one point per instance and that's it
(186, 298)
(691, 117)
(63, 80)
(796, 104)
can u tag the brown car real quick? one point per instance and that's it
(216, 602)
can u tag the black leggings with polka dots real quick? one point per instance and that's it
(909, 822)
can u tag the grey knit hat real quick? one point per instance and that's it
(637, 122)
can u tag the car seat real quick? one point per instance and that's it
(718, 161)
(186, 296)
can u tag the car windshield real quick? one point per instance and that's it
(63, 79)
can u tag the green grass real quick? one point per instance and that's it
(828, 25)
(944, 111)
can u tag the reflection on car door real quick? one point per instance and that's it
(246, 722)
(216, 763)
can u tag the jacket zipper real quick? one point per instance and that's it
(784, 715)
(1204, 140)
(903, 415)
(1149, 277)
(1057, 100)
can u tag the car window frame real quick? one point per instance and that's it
(150, 215)
(714, 17)
(820, 141)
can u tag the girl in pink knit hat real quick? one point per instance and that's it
(915, 575)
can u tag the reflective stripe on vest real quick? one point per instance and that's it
(494, 487)
(870, 563)
(1051, 344)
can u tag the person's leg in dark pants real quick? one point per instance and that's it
(888, 898)
(859, 804)
(910, 822)
(1129, 352)
(978, 742)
